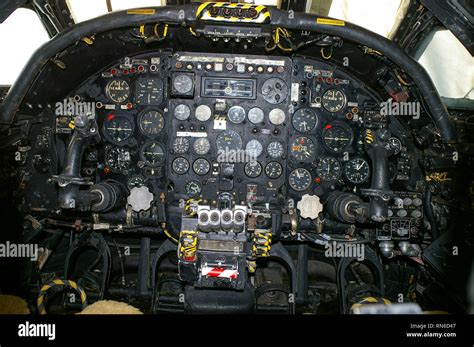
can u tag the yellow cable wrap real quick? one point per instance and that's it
(40, 302)
(369, 137)
(262, 244)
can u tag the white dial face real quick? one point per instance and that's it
(203, 113)
(256, 115)
(277, 116)
(182, 112)
(236, 114)
(254, 148)
(275, 149)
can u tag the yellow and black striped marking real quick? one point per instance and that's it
(370, 300)
(369, 137)
(40, 302)
(233, 12)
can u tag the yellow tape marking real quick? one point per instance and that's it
(145, 11)
(328, 21)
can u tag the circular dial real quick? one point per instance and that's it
(334, 100)
(253, 169)
(136, 182)
(275, 149)
(228, 140)
(152, 154)
(273, 170)
(254, 148)
(275, 90)
(357, 170)
(193, 188)
(303, 149)
(202, 146)
(117, 91)
(151, 122)
(182, 112)
(180, 165)
(300, 179)
(201, 166)
(394, 145)
(277, 116)
(236, 114)
(118, 159)
(337, 138)
(183, 83)
(203, 113)
(149, 91)
(181, 145)
(304, 120)
(329, 169)
(118, 129)
(256, 115)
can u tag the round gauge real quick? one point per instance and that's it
(118, 129)
(275, 149)
(256, 115)
(151, 122)
(182, 112)
(118, 159)
(180, 165)
(236, 114)
(193, 188)
(253, 169)
(303, 149)
(329, 169)
(202, 146)
(357, 170)
(394, 145)
(228, 140)
(254, 148)
(334, 100)
(273, 170)
(152, 154)
(201, 166)
(136, 182)
(275, 90)
(149, 91)
(337, 138)
(203, 113)
(181, 145)
(183, 83)
(277, 116)
(304, 120)
(117, 91)
(300, 179)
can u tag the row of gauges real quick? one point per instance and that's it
(118, 129)
(118, 159)
(148, 91)
(235, 114)
(356, 171)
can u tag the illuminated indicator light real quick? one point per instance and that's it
(329, 126)
(355, 110)
(107, 170)
(129, 105)
(179, 65)
(302, 141)
(317, 180)
(280, 69)
(329, 80)
(141, 68)
(337, 81)
(349, 116)
(125, 72)
(110, 117)
(133, 70)
(113, 71)
(320, 79)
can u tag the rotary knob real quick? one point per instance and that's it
(309, 206)
(140, 198)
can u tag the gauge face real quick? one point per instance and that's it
(118, 129)
(180, 165)
(152, 154)
(277, 116)
(182, 112)
(193, 188)
(236, 114)
(117, 91)
(136, 182)
(202, 146)
(203, 113)
(273, 170)
(357, 170)
(181, 145)
(118, 159)
(183, 83)
(256, 115)
(329, 169)
(394, 145)
(337, 138)
(253, 169)
(149, 91)
(334, 100)
(228, 140)
(254, 148)
(303, 149)
(300, 179)
(304, 120)
(275, 90)
(151, 123)
(275, 150)
(201, 166)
